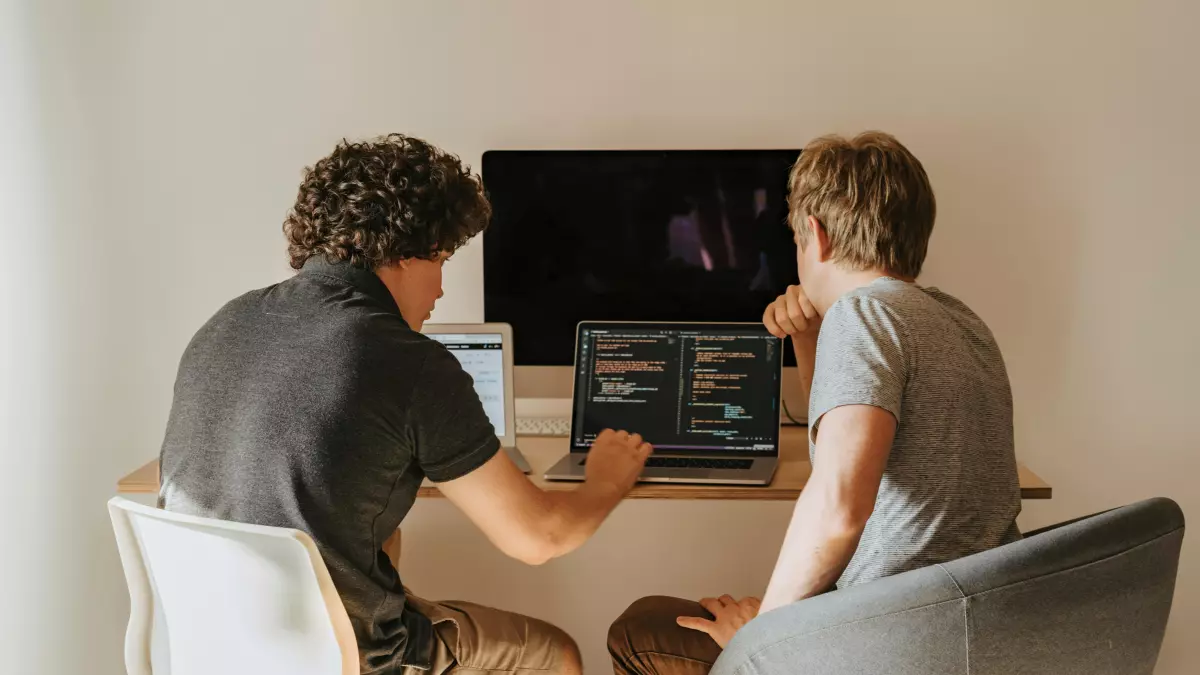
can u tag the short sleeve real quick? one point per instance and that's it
(861, 360)
(452, 434)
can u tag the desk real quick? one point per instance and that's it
(543, 451)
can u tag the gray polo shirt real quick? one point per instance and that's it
(311, 404)
(950, 488)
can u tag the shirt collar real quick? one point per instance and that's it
(359, 277)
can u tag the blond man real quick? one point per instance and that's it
(910, 411)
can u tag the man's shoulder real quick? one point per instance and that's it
(906, 302)
(331, 306)
(233, 316)
(884, 304)
(896, 295)
(305, 314)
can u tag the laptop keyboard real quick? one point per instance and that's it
(697, 463)
(694, 463)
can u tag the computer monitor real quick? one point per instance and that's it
(703, 388)
(632, 235)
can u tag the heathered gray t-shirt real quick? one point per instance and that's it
(950, 488)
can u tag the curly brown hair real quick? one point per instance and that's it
(377, 202)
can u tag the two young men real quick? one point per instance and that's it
(316, 404)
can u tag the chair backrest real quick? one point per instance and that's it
(209, 596)
(1086, 597)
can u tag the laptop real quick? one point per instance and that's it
(706, 395)
(485, 351)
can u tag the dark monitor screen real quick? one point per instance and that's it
(632, 236)
(683, 387)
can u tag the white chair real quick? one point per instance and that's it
(214, 597)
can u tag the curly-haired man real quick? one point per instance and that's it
(317, 404)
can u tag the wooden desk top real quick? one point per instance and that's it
(543, 451)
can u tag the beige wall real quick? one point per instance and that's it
(65, 356)
(1057, 135)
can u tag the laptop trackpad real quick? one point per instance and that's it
(666, 475)
(678, 468)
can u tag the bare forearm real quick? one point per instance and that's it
(853, 446)
(572, 517)
(535, 525)
(815, 552)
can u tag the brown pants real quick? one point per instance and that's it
(645, 640)
(477, 639)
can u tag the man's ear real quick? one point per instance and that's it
(817, 236)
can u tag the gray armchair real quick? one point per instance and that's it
(1087, 597)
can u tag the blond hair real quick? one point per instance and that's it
(872, 197)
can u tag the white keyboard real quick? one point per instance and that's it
(543, 426)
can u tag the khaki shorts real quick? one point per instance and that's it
(474, 638)
(645, 640)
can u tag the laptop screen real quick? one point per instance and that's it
(482, 356)
(683, 387)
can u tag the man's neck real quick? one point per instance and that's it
(845, 282)
(390, 276)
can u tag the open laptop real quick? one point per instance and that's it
(706, 395)
(485, 351)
